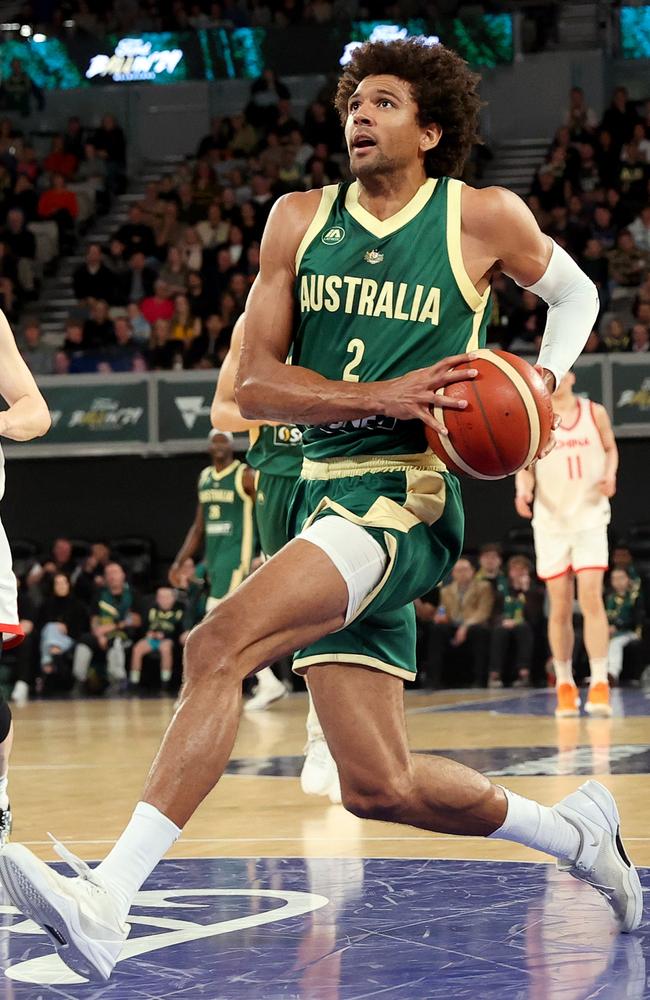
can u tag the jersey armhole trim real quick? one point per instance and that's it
(327, 199)
(239, 484)
(465, 284)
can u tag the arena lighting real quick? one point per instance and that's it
(25, 30)
(68, 24)
(10, 26)
(385, 33)
(38, 37)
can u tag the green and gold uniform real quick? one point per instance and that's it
(276, 455)
(227, 525)
(375, 300)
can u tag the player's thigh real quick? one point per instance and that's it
(560, 591)
(361, 711)
(590, 589)
(291, 600)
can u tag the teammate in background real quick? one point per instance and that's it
(276, 455)
(27, 417)
(381, 286)
(223, 524)
(571, 488)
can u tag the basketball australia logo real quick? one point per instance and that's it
(333, 236)
(195, 916)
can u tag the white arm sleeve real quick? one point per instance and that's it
(572, 310)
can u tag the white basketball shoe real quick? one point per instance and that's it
(78, 914)
(602, 861)
(319, 775)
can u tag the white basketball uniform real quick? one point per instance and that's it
(12, 633)
(570, 514)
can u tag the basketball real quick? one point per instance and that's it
(506, 424)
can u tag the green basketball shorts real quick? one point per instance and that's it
(413, 508)
(272, 496)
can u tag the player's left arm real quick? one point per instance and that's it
(607, 485)
(500, 231)
(28, 416)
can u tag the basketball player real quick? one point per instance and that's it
(276, 454)
(223, 524)
(379, 287)
(27, 417)
(572, 487)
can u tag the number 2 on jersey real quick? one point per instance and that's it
(356, 347)
(575, 466)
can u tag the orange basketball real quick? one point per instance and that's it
(507, 421)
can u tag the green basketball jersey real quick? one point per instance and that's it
(377, 299)
(276, 450)
(228, 526)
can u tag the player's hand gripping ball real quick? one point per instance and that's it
(506, 424)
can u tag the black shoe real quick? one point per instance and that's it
(6, 822)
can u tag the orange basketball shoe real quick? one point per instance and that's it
(568, 701)
(597, 704)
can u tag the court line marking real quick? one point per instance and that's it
(290, 840)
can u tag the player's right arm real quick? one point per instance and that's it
(193, 540)
(224, 412)
(524, 492)
(28, 416)
(268, 389)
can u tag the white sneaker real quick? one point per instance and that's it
(20, 693)
(319, 775)
(334, 791)
(601, 860)
(78, 914)
(265, 695)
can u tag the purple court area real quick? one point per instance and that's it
(291, 929)
(624, 701)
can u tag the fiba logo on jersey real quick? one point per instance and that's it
(333, 236)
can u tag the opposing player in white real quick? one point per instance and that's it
(571, 489)
(27, 417)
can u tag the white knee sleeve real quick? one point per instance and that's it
(358, 557)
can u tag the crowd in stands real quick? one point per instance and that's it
(166, 289)
(592, 195)
(94, 624)
(131, 16)
(106, 621)
(44, 189)
(486, 626)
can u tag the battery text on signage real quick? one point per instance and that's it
(106, 414)
(385, 33)
(134, 59)
(636, 397)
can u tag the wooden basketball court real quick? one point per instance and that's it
(272, 895)
(78, 768)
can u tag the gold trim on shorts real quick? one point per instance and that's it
(360, 465)
(303, 664)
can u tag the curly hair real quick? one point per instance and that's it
(443, 86)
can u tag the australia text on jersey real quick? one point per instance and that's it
(367, 297)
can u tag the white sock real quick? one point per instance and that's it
(266, 679)
(146, 840)
(4, 797)
(314, 728)
(598, 670)
(537, 826)
(563, 672)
